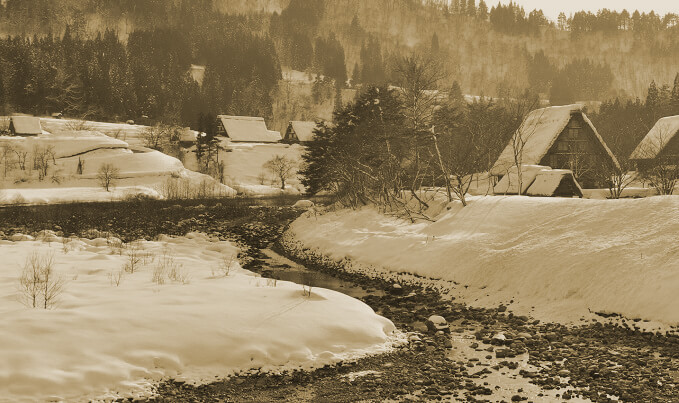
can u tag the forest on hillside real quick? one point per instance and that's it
(111, 59)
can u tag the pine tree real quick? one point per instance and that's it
(356, 75)
(653, 97)
(435, 48)
(562, 21)
(471, 8)
(482, 12)
(674, 97)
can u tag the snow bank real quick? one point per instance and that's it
(104, 341)
(556, 258)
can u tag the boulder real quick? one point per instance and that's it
(303, 204)
(436, 323)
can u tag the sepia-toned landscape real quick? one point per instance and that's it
(338, 201)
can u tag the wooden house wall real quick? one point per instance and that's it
(578, 149)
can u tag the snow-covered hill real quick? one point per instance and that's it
(114, 333)
(72, 162)
(555, 259)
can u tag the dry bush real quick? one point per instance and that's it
(78, 125)
(167, 267)
(116, 277)
(307, 283)
(39, 285)
(183, 188)
(135, 256)
(224, 266)
(116, 245)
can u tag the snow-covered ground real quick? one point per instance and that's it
(245, 171)
(556, 259)
(122, 131)
(114, 333)
(140, 170)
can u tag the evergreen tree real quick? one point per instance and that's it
(653, 97)
(356, 75)
(471, 8)
(674, 98)
(435, 48)
(482, 12)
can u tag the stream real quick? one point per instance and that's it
(505, 383)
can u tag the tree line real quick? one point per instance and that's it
(148, 75)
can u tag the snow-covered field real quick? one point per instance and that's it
(114, 333)
(122, 131)
(245, 171)
(556, 259)
(140, 170)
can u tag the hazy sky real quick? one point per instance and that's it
(552, 8)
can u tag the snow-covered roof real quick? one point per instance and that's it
(509, 184)
(656, 140)
(548, 181)
(538, 132)
(248, 129)
(26, 125)
(188, 136)
(304, 130)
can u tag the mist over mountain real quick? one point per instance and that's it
(497, 51)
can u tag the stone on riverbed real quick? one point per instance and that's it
(436, 323)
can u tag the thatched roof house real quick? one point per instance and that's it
(538, 180)
(299, 132)
(555, 183)
(661, 142)
(561, 137)
(25, 126)
(246, 129)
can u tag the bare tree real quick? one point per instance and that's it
(659, 166)
(52, 284)
(525, 131)
(22, 155)
(617, 176)
(108, 174)
(42, 156)
(6, 150)
(418, 82)
(282, 167)
(156, 137)
(39, 285)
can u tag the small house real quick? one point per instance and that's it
(187, 137)
(25, 126)
(660, 144)
(560, 137)
(246, 129)
(299, 132)
(539, 181)
(555, 183)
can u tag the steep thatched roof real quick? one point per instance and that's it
(657, 139)
(538, 132)
(248, 129)
(303, 130)
(555, 182)
(26, 125)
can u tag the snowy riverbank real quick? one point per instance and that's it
(114, 333)
(555, 259)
